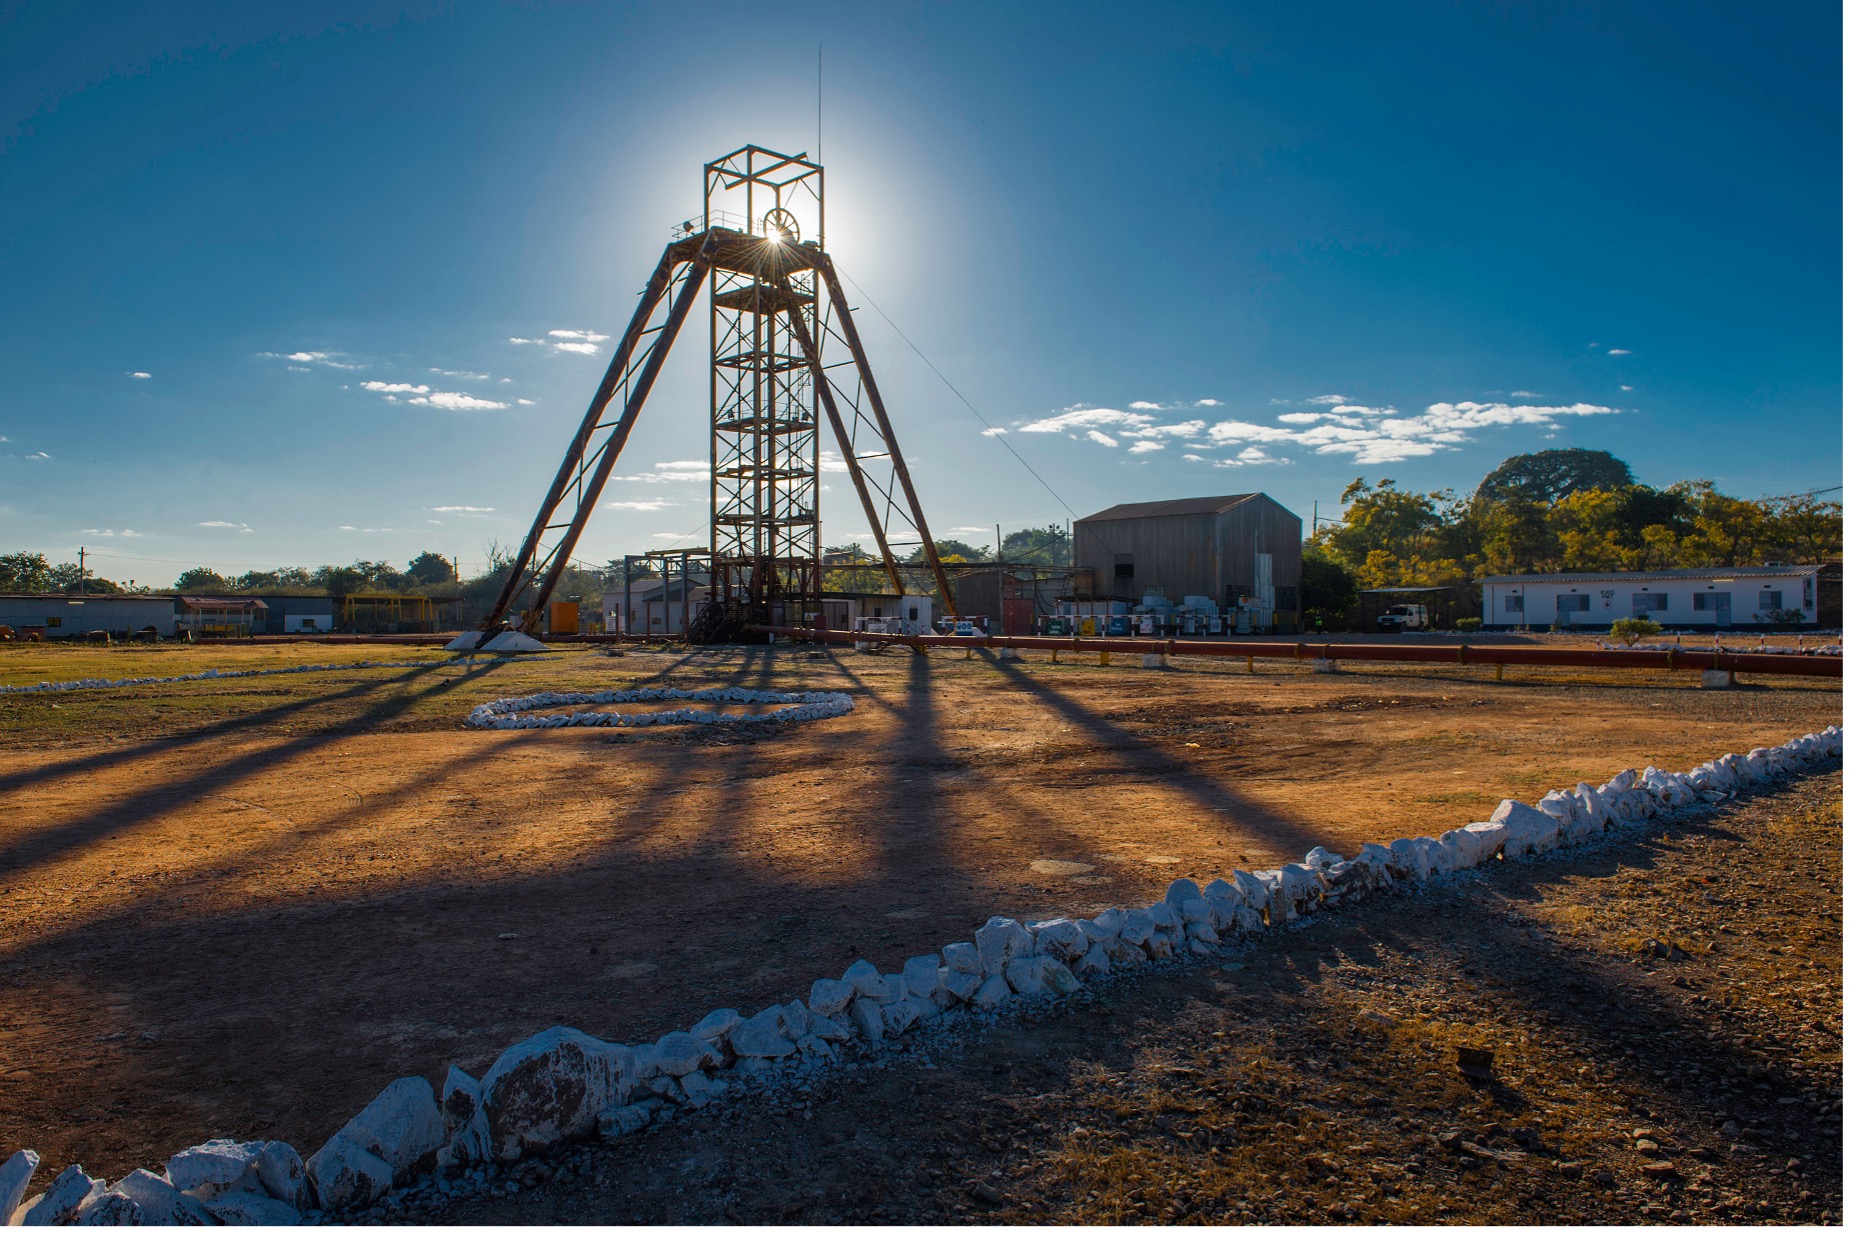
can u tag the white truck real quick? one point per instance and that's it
(1402, 617)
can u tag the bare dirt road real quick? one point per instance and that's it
(241, 907)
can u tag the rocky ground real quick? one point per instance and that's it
(1662, 1019)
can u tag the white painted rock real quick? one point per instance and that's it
(622, 1120)
(465, 1123)
(159, 1202)
(1137, 927)
(513, 642)
(212, 1168)
(865, 978)
(830, 997)
(1000, 942)
(1197, 909)
(251, 1207)
(891, 989)
(1062, 939)
(550, 1087)
(698, 1089)
(1111, 920)
(718, 1025)
(920, 975)
(68, 1192)
(1057, 977)
(1096, 962)
(1124, 953)
(865, 1013)
(832, 1028)
(1164, 917)
(992, 993)
(1181, 890)
(680, 1053)
(963, 957)
(1200, 931)
(899, 1015)
(15, 1176)
(1094, 932)
(402, 1126)
(346, 1175)
(1526, 830)
(961, 986)
(110, 1208)
(280, 1171)
(762, 1035)
(1024, 976)
(794, 1023)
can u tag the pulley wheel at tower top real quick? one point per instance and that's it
(781, 225)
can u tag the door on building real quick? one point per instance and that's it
(1566, 605)
(1723, 609)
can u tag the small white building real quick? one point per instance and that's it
(1743, 597)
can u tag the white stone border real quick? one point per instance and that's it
(795, 708)
(563, 1084)
(1695, 648)
(213, 674)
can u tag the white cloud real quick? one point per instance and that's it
(1145, 406)
(326, 359)
(569, 342)
(394, 387)
(576, 348)
(1331, 400)
(141, 376)
(1625, 388)
(41, 456)
(344, 527)
(674, 535)
(460, 509)
(240, 527)
(1523, 394)
(458, 402)
(461, 374)
(1192, 458)
(695, 470)
(1208, 402)
(582, 335)
(1367, 434)
(526, 402)
(987, 432)
(96, 531)
(645, 507)
(528, 342)
(831, 461)
(1617, 351)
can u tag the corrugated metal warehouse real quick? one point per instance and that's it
(1245, 546)
(72, 616)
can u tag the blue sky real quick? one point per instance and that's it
(263, 263)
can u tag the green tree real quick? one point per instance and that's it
(1048, 545)
(24, 572)
(200, 579)
(428, 569)
(1547, 476)
(948, 548)
(1328, 589)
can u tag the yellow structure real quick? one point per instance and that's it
(388, 613)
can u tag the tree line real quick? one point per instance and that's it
(1555, 511)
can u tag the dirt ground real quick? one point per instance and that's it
(1311, 1077)
(239, 908)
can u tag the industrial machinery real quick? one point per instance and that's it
(785, 354)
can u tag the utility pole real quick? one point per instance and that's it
(998, 541)
(80, 552)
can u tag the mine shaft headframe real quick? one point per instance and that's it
(782, 288)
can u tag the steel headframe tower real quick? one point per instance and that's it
(776, 307)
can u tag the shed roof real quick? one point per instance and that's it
(1718, 574)
(1169, 509)
(89, 598)
(203, 603)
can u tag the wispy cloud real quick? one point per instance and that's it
(365, 530)
(40, 456)
(141, 376)
(221, 524)
(325, 359)
(1328, 400)
(1145, 406)
(1617, 351)
(106, 533)
(566, 342)
(394, 387)
(461, 374)
(692, 470)
(644, 507)
(460, 509)
(457, 402)
(526, 402)
(1523, 394)
(1368, 434)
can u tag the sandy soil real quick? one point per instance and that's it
(242, 907)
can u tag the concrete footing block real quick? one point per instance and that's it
(1717, 678)
(1323, 665)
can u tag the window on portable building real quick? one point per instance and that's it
(1645, 601)
(1771, 601)
(1511, 603)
